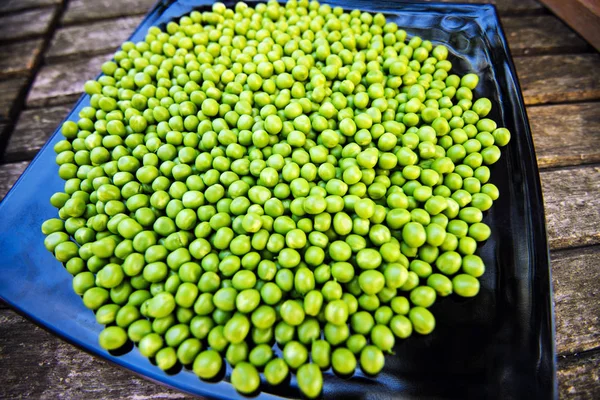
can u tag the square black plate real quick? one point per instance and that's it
(499, 344)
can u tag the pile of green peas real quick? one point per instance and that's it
(291, 174)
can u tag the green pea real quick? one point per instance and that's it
(310, 380)
(276, 371)
(260, 355)
(422, 320)
(401, 326)
(362, 322)
(295, 354)
(356, 343)
(440, 283)
(150, 344)
(237, 328)
(112, 338)
(465, 285)
(371, 360)
(423, 296)
(207, 364)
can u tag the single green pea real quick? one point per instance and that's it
(112, 338)
(371, 360)
(276, 371)
(310, 380)
(343, 361)
(295, 354)
(422, 320)
(207, 364)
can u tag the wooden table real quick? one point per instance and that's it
(49, 48)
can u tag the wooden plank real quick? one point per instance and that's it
(17, 59)
(579, 376)
(544, 79)
(572, 205)
(37, 364)
(3, 131)
(559, 78)
(9, 173)
(513, 7)
(566, 134)
(575, 273)
(26, 24)
(34, 127)
(63, 83)
(10, 92)
(89, 10)
(80, 40)
(544, 34)
(581, 15)
(17, 5)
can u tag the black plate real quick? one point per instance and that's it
(497, 345)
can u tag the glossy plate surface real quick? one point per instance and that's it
(498, 345)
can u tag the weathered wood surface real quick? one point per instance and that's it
(575, 274)
(3, 131)
(63, 83)
(39, 365)
(36, 364)
(42, 366)
(526, 36)
(544, 34)
(32, 130)
(579, 376)
(89, 10)
(9, 173)
(582, 15)
(26, 24)
(508, 7)
(17, 59)
(17, 5)
(10, 93)
(544, 79)
(572, 205)
(559, 78)
(566, 134)
(83, 40)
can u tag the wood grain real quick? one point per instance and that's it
(572, 206)
(88, 10)
(579, 376)
(37, 364)
(559, 78)
(9, 173)
(3, 131)
(18, 59)
(527, 36)
(84, 40)
(543, 34)
(17, 5)
(566, 134)
(581, 15)
(544, 79)
(26, 24)
(575, 274)
(63, 83)
(33, 129)
(10, 93)
(510, 7)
